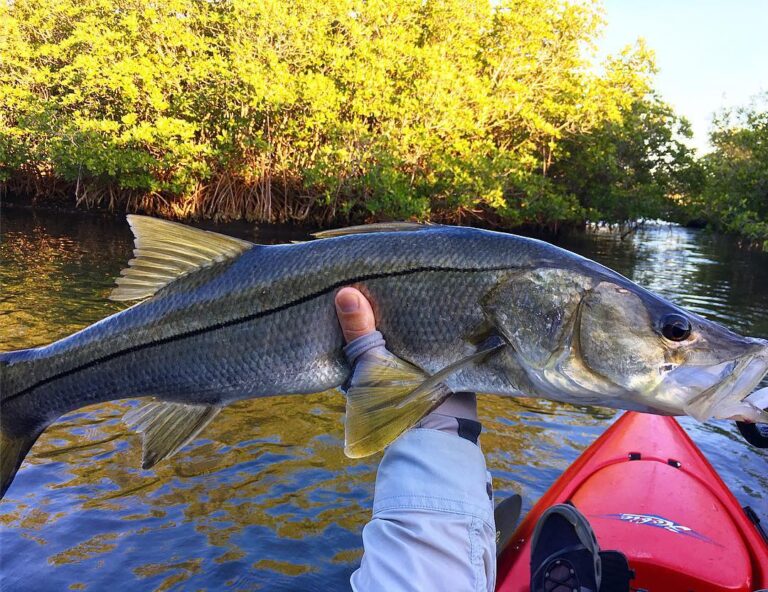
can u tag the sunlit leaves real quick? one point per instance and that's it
(277, 110)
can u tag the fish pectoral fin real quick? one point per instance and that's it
(164, 251)
(390, 396)
(490, 346)
(167, 427)
(369, 228)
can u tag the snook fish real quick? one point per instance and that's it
(221, 319)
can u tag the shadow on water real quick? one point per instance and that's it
(265, 499)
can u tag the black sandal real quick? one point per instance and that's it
(565, 555)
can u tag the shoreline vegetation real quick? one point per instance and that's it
(341, 112)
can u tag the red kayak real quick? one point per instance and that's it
(648, 492)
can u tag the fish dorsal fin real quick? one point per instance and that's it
(168, 427)
(380, 227)
(165, 251)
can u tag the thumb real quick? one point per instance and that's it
(355, 314)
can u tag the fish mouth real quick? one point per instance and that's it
(719, 391)
(753, 372)
(727, 398)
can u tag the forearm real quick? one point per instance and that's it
(432, 525)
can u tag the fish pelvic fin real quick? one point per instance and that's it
(380, 406)
(165, 251)
(167, 427)
(390, 395)
(13, 450)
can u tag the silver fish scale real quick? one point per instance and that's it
(264, 323)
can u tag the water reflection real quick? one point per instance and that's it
(265, 499)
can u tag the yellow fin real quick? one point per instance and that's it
(390, 395)
(167, 427)
(165, 251)
(490, 346)
(375, 416)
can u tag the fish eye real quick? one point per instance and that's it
(675, 327)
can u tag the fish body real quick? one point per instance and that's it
(230, 320)
(264, 323)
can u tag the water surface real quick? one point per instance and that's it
(265, 498)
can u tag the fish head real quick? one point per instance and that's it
(598, 338)
(665, 357)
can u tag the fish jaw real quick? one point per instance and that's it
(735, 401)
(719, 391)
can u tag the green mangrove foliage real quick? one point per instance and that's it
(636, 165)
(335, 110)
(735, 196)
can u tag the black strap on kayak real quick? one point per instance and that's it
(754, 433)
(617, 574)
(506, 516)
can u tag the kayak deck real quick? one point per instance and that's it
(649, 492)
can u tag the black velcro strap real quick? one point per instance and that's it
(469, 429)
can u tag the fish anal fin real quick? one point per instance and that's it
(167, 427)
(379, 227)
(165, 251)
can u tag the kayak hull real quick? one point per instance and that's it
(649, 492)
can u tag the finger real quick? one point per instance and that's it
(355, 314)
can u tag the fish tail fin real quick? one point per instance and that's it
(15, 440)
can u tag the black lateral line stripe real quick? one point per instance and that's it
(248, 318)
